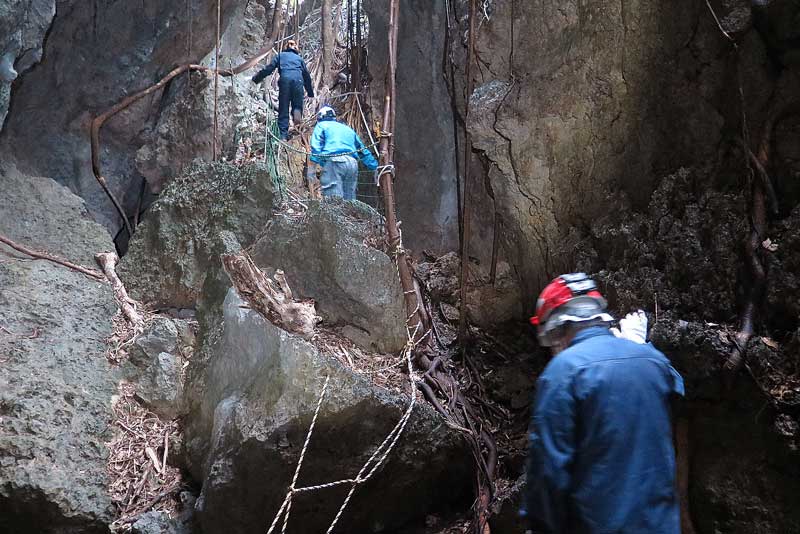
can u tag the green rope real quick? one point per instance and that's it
(271, 149)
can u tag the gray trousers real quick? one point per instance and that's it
(340, 177)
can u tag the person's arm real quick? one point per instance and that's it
(266, 71)
(307, 80)
(318, 144)
(365, 155)
(550, 453)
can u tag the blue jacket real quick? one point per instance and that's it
(291, 67)
(332, 137)
(601, 458)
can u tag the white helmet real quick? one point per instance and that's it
(326, 113)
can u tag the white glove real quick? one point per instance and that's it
(633, 327)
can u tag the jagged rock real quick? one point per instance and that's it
(94, 56)
(253, 392)
(56, 385)
(159, 386)
(161, 523)
(185, 126)
(326, 257)
(171, 253)
(488, 304)
(23, 25)
(159, 336)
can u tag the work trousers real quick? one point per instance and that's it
(290, 93)
(340, 177)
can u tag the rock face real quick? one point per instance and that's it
(56, 385)
(244, 434)
(172, 251)
(94, 56)
(23, 24)
(426, 154)
(325, 256)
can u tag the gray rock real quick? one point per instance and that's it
(93, 57)
(23, 26)
(161, 523)
(171, 253)
(56, 385)
(252, 394)
(325, 257)
(159, 386)
(160, 336)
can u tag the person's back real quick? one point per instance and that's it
(600, 458)
(337, 148)
(336, 138)
(624, 465)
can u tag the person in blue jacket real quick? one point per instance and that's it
(601, 456)
(294, 77)
(335, 146)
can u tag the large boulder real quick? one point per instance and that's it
(56, 385)
(253, 389)
(327, 255)
(171, 252)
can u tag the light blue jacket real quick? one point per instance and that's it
(601, 458)
(331, 137)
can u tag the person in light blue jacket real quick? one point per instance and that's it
(601, 457)
(335, 146)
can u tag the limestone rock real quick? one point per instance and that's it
(171, 253)
(159, 386)
(253, 394)
(160, 336)
(95, 54)
(56, 385)
(326, 257)
(23, 25)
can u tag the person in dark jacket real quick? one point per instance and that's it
(294, 77)
(601, 457)
(335, 146)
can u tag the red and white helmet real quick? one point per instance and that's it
(570, 298)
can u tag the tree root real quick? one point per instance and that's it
(91, 273)
(108, 262)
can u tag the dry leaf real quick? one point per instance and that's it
(769, 245)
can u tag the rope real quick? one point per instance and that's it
(370, 467)
(381, 170)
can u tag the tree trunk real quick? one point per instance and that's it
(328, 41)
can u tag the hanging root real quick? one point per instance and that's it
(272, 299)
(761, 192)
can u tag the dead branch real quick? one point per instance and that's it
(108, 262)
(272, 299)
(91, 273)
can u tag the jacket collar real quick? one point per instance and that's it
(592, 331)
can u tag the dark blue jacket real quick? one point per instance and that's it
(601, 458)
(331, 137)
(291, 67)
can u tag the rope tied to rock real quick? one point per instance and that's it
(370, 467)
